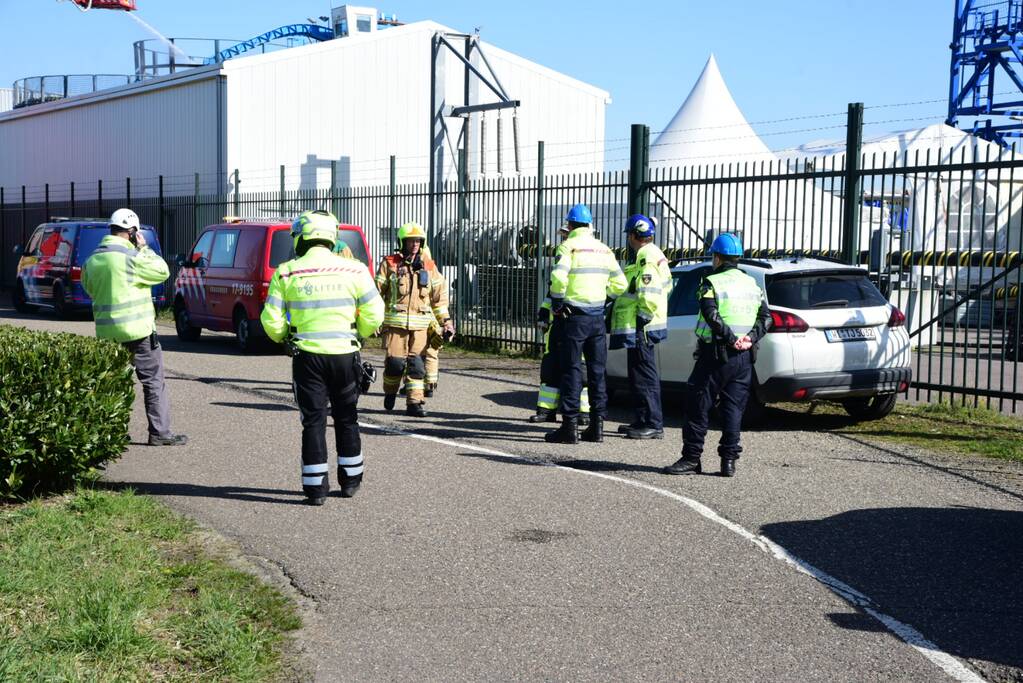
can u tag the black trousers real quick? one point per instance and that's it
(727, 381)
(583, 335)
(645, 383)
(323, 382)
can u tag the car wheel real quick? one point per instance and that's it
(19, 300)
(183, 325)
(60, 308)
(870, 407)
(243, 332)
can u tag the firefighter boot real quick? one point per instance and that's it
(544, 415)
(415, 410)
(389, 400)
(566, 433)
(594, 433)
(684, 465)
(727, 467)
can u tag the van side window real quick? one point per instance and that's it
(224, 247)
(202, 247)
(50, 242)
(33, 243)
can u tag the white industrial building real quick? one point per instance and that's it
(6, 99)
(353, 101)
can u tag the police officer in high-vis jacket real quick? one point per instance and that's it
(321, 305)
(640, 320)
(733, 317)
(119, 276)
(584, 276)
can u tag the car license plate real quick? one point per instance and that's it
(844, 334)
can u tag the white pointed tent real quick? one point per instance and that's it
(710, 137)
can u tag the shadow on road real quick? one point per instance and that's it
(953, 573)
(254, 495)
(275, 407)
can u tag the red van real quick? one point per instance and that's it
(223, 282)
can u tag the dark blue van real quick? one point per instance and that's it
(50, 266)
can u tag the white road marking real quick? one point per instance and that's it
(946, 662)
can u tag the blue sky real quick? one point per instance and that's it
(781, 59)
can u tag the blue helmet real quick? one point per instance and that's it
(727, 244)
(640, 226)
(580, 213)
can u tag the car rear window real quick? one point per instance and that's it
(281, 248)
(354, 242)
(89, 237)
(823, 290)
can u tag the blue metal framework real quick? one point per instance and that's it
(311, 31)
(987, 39)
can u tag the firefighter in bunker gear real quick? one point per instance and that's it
(733, 317)
(638, 321)
(584, 277)
(323, 304)
(118, 277)
(415, 295)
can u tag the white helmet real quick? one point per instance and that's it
(125, 219)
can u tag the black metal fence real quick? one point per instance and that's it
(938, 230)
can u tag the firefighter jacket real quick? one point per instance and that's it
(585, 274)
(118, 278)
(645, 300)
(731, 305)
(415, 293)
(323, 302)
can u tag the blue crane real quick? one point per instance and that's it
(987, 41)
(311, 31)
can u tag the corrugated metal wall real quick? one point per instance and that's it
(172, 131)
(6, 99)
(359, 100)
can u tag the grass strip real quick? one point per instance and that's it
(942, 427)
(110, 586)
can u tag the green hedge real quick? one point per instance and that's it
(65, 402)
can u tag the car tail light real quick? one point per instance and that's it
(799, 394)
(76, 274)
(783, 321)
(264, 291)
(897, 318)
(903, 386)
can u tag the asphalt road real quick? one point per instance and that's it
(476, 551)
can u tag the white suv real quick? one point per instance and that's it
(834, 336)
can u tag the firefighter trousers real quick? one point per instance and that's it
(404, 350)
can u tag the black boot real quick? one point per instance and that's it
(684, 466)
(727, 467)
(389, 400)
(544, 415)
(595, 432)
(625, 429)
(644, 433)
(415, 410)
(349, 488)
(566, 433)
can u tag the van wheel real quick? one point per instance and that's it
(183, 325)
(60, 308)
(870, 407)
(243, 332)
(19, 300)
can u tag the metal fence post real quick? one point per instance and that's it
(853, 188)
(23, 217)
(3, 238)
(281, 210)
(73, 198)
(47, 202)
(160, 223)
(541, 237)
(639, 167)
(99, 197)
(333, 189)
(463, 216)
(195, 213)
(237, 197)
(127, 192)
(392, 196)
